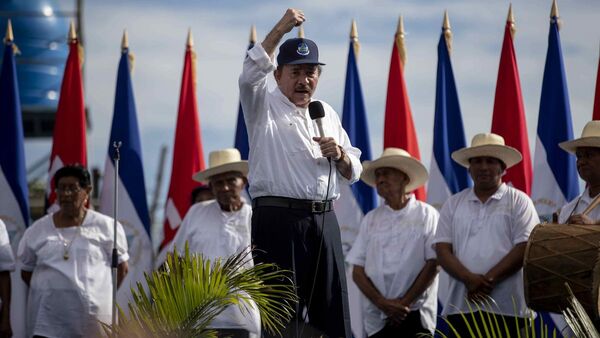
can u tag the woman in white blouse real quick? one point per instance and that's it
(65, 259)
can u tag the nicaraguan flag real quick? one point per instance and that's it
(14, 194)
(356, 200)
(132, 206)
(554, 171)
(446, 177)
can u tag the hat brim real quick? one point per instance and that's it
(415, 170)
(205, 175)
(571, 146)
(304, 62)
(509, 155)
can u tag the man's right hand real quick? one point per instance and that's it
(394, 309)
(291, 18)
(478, 287)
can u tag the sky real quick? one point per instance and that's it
(158, 31)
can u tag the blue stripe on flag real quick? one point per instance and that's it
(241, 133)
(354, 121)
(125, 129)
(448, 132)
(554, 121)
(12, 155)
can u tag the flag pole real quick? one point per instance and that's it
(115, 254)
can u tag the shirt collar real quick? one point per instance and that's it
(283, 98)
(409, 205)
(497, 195)
(585, 197)
(277, 92)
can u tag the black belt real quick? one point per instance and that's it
(291, 203)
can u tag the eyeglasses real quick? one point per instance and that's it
(67, 190)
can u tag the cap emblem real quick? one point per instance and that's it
(303, 49)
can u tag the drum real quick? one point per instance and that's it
(557, 254)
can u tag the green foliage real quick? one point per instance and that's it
(482, 323)
(185, 297)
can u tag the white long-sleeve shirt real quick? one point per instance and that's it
(284, 160)
(218, 234)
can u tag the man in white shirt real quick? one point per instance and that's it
(220, 228)
(481, 238)
(394, 262)
(587, 150)
(295, 174)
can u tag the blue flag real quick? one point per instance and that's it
(554, 170)
(14, 194)
(354, 121)
(241, 133)
(132, 208)
(555, 174)
(356, 200)
(446, 177)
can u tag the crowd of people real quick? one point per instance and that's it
(294, 174)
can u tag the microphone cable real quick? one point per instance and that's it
(312, 289)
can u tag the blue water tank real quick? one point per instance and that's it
(40, 32)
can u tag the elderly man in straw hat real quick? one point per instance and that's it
(220, 228)
(394, 262)
(587, 150)
(481, 238)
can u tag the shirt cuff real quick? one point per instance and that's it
(356, 168)
(355, 261)
(261, 58)
(441, 240)
(123, 258)
(25, 267)
(7, 267)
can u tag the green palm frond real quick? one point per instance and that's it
(481, 323)
(578, 319)
(184, 298)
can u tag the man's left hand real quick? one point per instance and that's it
(329, 148)
(581, 219)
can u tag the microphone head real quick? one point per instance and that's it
(315, 110)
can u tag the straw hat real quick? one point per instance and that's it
(488, 145)
(590, 137)
(398, 159)
(221, 161)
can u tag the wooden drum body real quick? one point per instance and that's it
(557, 254)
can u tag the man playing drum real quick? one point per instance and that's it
(481, 238)
(587, 150)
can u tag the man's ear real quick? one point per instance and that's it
(277, 74)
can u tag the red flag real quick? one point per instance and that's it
(596, 115)
(69, 141)
(399, 129)
(188, 157)
(509, 115)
